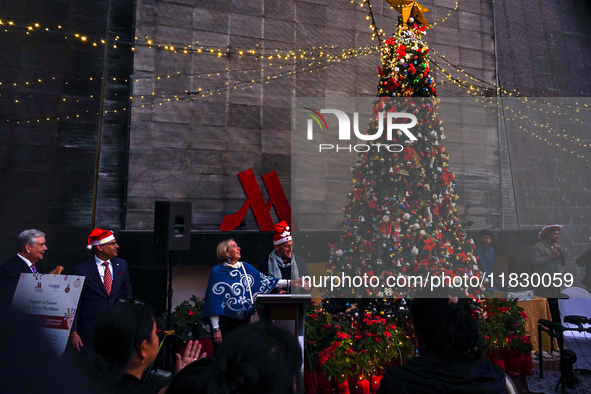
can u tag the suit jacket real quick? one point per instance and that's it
(10, 273)
(94, 298)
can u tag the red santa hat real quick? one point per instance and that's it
(99, 237)
(282, 233)
(549, 228)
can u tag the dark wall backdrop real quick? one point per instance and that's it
(47, 167)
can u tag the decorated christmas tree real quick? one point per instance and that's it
(400, 218)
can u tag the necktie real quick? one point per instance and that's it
(108, 278)
(33, 268)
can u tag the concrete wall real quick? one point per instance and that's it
(192, 149)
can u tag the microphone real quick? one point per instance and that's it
(578, 320)
(550, 324)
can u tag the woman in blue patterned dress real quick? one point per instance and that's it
(232, 289)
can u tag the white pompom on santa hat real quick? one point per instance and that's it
(99, 237)
(549, 228)
(282, 233)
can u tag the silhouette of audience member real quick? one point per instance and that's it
(125, 343)
(449, 358)
(28, 362)
(255, 358)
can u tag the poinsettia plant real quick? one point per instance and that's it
(343, 344)
(377, 343)
(502, 324)
(320, 332)
(186, 318)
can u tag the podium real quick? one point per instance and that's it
(287, 311)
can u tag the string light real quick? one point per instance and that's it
(562, 134)
(36, 27)
(202, 92)
(446, 17)
(474, 91)
(52, 79)
(309, 67)
(257, 52)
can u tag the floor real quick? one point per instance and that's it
(521, 381)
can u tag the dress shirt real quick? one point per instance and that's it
(101, 267)
(27, 262)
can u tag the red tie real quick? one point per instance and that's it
(33, 268)
(108, 278)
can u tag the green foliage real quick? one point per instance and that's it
(344, 345)
(502, 324)
(188, 311)
(186, 318)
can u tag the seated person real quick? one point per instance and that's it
(449, 358)
(125, 343)
(254, 358)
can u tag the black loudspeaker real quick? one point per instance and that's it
(172, 225)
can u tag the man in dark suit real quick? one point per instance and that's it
(30, 250)
(106, 281)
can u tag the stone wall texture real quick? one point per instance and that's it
(191, 146)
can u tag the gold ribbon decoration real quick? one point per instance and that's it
(408, 8)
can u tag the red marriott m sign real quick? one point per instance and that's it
(256, 201)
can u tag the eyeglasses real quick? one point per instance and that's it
(136, 302)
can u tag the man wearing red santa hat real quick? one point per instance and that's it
(282, 263)
(106, 281)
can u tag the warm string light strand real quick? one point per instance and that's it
(516, 117)
(577, 107)
(29, 28)
(446, 17)
(474, 89)
(248, 84)
(352, 54)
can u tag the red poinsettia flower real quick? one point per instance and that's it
(429, 245)
(447, 177)
(401, 51)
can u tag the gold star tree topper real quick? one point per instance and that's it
(408, 8)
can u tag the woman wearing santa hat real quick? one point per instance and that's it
(232, 289)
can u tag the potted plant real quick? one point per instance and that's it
(186, 318)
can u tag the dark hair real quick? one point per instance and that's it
(484, 233)
(116, 334)
(256, 358)
(444, 328)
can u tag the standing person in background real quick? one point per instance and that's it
(486, 253)
(282, 263)
(30, 247)
(548, 258)
(106, 282)
(584, 260)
